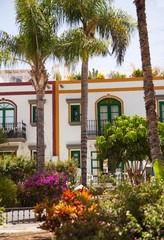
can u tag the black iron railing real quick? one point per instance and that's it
(19, 215)
(95, 128)
(14, 130)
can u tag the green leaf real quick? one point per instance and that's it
(158, 170)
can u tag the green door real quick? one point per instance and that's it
(96, 165)
(108, 108)
(75, 155)
(7, 115)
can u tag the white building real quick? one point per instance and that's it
(106, 98)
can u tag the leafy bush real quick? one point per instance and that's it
(127, 141)
(126, 212)
(73, 206)
(69, 168)
(17, 168)
(114, 74)
(40, 186)
(136, 212)
(100, 76)
(77, 76)
(2, 218)
(137, 73)
(7, 192)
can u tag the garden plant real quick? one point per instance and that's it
(127, 141)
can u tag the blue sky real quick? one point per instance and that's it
(155, 20)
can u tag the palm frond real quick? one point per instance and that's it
(116, 25)
(74, 44)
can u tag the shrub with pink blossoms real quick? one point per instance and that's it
(49, 184)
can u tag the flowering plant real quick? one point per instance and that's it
(73, 206)
(40, 186)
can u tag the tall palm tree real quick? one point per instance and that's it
(34, 44)
(95, 16)
(154, 140)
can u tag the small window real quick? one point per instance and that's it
(34, 155)
(75, 113)
(75, 155)
(34, 114)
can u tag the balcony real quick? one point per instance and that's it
(95, 128)
(14, 132)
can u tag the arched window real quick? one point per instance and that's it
(7, 114)
(107, 109)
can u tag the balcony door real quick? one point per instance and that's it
(7, 115)
(107, 109)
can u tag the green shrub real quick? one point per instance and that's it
(17, 168)
(136, 212)
(137, 73)
(7, 192)
(68, 167)
(2, 218)
(126, 212)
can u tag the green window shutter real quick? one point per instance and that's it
(75, 113)
(34, 114)
(161, 111)
(76, 156)
(34, 155)
(96, 164)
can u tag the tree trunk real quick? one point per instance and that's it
(154, 140)
(84, 114)
(40, 131)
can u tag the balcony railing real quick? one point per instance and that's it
(95, 128)
(13, 130)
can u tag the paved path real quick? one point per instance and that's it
(25, 227)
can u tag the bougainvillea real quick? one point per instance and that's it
(40, 186)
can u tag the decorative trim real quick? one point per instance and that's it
(73, 146)
(33, 101)
(54, 137)
(69, 113)
(22, 93)
(31, 123)
(57, 118)
(127, 89)
(16, 140)
(74, 123)
(92, 137)
(73, 100)
(69, 153)
(160, 97)
(136, 79)
(34, 147)
(157, 109)
(8, 148)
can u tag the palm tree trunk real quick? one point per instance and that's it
(154, 140)
(40, 131)
(84, 114)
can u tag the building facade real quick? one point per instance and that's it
(62, 115)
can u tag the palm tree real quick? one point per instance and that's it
(34, 44)
(94, 16)
(154, 140)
